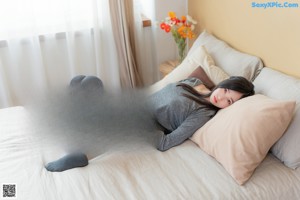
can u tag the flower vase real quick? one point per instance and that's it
(181, 45)
(181, 29)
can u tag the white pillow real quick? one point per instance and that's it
(198, 58)
(232, 61)
(284, 87)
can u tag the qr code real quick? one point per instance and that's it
(9, 191)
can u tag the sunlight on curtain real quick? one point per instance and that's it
(44, 43)
(20, 18)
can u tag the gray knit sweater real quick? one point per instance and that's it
(178, 116)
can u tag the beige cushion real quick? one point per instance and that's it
(240, 136)
(199, 57)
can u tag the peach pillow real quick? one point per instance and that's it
(240, 136)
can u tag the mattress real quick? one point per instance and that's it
(183, 172)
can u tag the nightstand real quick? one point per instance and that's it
(166, 67)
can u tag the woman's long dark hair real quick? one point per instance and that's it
(236, 83)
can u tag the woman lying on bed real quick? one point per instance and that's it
(179, 108)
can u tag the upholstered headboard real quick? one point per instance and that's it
(271, 33)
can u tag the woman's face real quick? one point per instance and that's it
(223, 97)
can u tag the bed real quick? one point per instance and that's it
(183, 172)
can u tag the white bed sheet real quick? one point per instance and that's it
(183, 172)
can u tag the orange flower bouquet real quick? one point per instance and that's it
(181, 29)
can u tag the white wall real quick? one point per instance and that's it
(162, 46)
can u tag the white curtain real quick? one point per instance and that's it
(44, 43)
